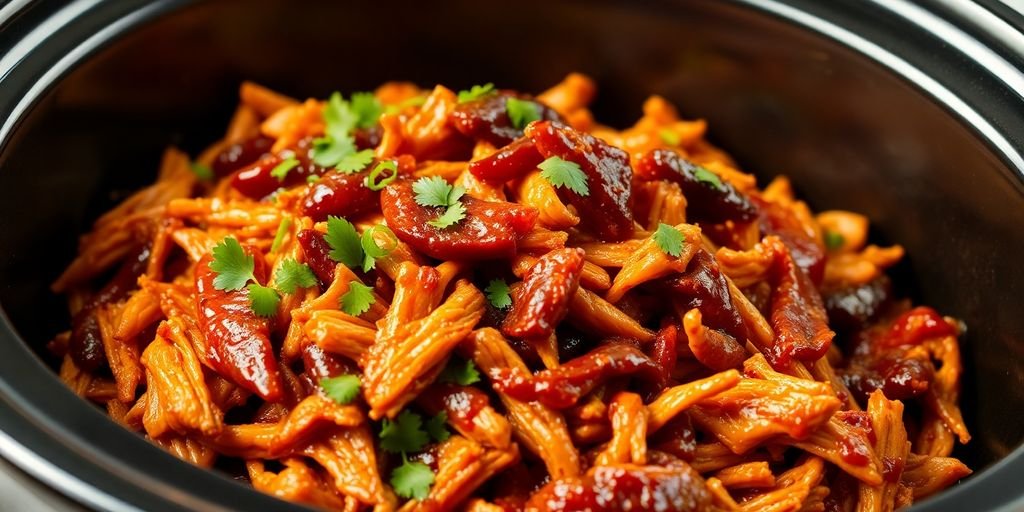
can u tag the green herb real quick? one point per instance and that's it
(476, 92)
(412, 479)
(263, 299)
(669, 137)
(280, 171)
(367, 109)
(312, 178)
(669, 240)
(415, 101)
(437, 428)
(405, 434)
(460, 371)
(498, 293)
(202, 171)
(282, 231)
(705, 176)
(562, 173)
(342, 389)
(375, 182)
(233, 266)
(522, 112)
(358, 299)
(450, 217)
(339, 117)
(372, 250)
(833, 239)
(293, 275)
(355, 162)
(344, 241)
(331, 150)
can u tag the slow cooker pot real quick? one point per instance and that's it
(909, 113)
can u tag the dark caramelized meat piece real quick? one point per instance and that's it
(86, 343)
(850, 308)
(663, 352)
(706, 201)
(676, 488)
(543, 299)
(489, 231)
(341, 195)
(460, 403)
(704, 287)
(317, 253)
(606, 210)
(508, 163)
(561, 387)
(236, 156)
(917, 325)
(487, 118)
(797, 312)
(238, 339)
(806, 250)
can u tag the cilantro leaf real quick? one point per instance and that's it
(339, 117)
(563, 173)
(355, 162)
(282, 231)
(412, 479)
(358, 299)
(833, 239)
(669, 240)
(405, 434)
(476, 92)
(233, 266)
(460, 371)
(450, 217)
(371, 249)
(263, 299)
(280, 171)
(436, 427)
(331, 150)
(705, 176)
(373, 183)
(342, 389)
(202, 171)
(293, 275)
(669, 137)
(344, 241)
(366, 108)
(312, 178)
(498, 293)
(522, 112)
(435, 191)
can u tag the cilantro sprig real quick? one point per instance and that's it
(498, 293)
(833, 239)
(355, 251)
(233, 266)
(412, 479)
(235, 269)
(522, 112)
(460, 371)
(358, 299)
(705, 176)
(337, 148)
(342, 389)
(292, 275)
(409, 433)
(435, 191)
(563, 173)
(668, 239)
(281, 170)
(476, 92)
(263, 299)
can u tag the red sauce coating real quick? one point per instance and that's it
(487, 118)
(238, 339)
(510, 162)
(239, 155)
(606, 210)
(851, 308)
(917, 325)
(561, 387)
(317, 253)
(543, 299)
(704, 287)
(807, 251)
(346, 195)
(797, 313)
(705, 202)
(626, 487)
(663, 352)
(490, 230)
(460, 403)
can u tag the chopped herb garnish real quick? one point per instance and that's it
(293, 275)
(355, 162)
(282, 231)
(522, 112)
(833, 240)
(202, 171)
(344, 241)
(263, 299)
(563, 173)
(450, 217)
(371, 249)
(358, 299)
(405, 434)
(342, 389)
(233, 266)
(331, 150)
(375, 182)
(705, 176)
(669, 240)
(460, 371)
(669, 137)
(280, 171)
(435, 191)
(498, 293)
(412, 479)
(437, 428)
(367, 109)
(312, 178)
(476, 92)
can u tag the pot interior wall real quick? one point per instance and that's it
(781, 100)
